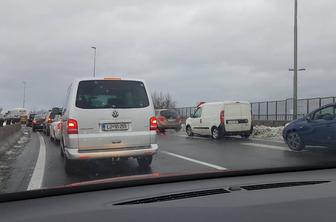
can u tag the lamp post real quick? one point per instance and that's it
(94, 61)
(295, 79)
(24, 94)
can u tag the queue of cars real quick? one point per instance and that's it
(103, 118)
(115, 118)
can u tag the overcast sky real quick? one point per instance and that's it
(196, 50)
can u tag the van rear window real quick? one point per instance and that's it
(104, 94)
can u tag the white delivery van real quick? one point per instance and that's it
(221, 119)
(108, 118)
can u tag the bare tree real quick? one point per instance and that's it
(163, 101)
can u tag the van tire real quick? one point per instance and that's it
(215, 134)
(189, 131)
(145, 161)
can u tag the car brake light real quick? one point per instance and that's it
(58, 125)
(72, 126)
(34, 121)
(49, 120)
(222, 117)
(153, 123)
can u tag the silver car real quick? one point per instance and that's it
(55, 129)
(108, 118)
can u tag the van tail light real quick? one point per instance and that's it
(72, 126)
(153, 123)
(49, 120)
(161, 118)
(58, 125)
(222, 117)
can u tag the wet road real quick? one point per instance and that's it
(177, 154)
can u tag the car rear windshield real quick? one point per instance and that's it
(103, 94)
(169, 114)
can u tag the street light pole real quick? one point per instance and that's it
(295, 64)
(295, 80)
(24, 94)
(94, 61)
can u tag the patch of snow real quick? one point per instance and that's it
(10, 152)
(4, 167)
(22, 140)
(267, 132)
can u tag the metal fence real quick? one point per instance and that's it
(276, 110)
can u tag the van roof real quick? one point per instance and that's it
(107, 78)
(225, 102)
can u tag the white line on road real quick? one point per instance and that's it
(267, 140)
(193, 137)
(37, 177)
(194, 161)
(265, 146)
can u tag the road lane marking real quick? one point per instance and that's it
(265, 146)
(37, 177)
(267, 140)
(192, 137)
(194, 161)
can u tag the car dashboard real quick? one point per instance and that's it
(294, 196)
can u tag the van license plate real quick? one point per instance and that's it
(115, 126)
(232, 121)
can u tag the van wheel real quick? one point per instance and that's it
(215, 133)
(294, 141)
(189, 131)
(144, 161)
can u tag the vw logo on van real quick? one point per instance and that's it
(115, 114)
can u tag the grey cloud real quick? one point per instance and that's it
(196, 50)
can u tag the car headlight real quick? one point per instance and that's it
(287, 124)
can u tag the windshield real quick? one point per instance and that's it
(96, 91)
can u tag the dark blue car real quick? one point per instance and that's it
(318, 128)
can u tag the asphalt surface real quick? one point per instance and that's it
(177, 154)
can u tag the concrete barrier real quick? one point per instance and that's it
(9, 134)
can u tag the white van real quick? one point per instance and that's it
(221, 119)
(108, 118)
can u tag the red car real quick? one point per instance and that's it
(37, 123)
(168, 119)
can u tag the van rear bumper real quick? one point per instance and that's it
(224, 132)
(75, 154)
